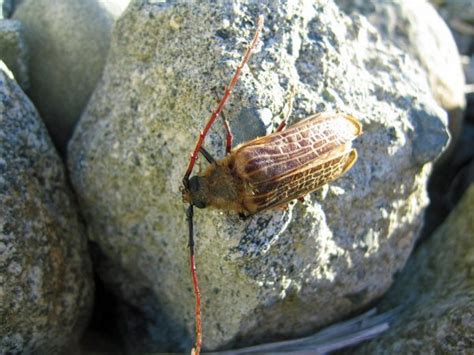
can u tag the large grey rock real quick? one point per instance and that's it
(13, 51)
(68, 43)
(45, 283)
(279, 273)
(437, 290)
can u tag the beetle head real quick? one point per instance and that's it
(194, 192)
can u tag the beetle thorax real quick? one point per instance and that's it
(217, 187)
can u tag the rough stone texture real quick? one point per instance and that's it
(68, 43)
(13, 50)
(437, 289)
(427, 38)
(279, 273)
(45, 272)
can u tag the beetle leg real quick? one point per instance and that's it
(283, 123)
(207, 155)
(230, 136)
(243, 216)
(281, 126)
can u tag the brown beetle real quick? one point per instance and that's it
(269, 171)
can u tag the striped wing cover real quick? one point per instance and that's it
(286, 165)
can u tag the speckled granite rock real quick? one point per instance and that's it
(45, 272)
(279, 273)
(437, 289)
(68, 43)
(13, 50)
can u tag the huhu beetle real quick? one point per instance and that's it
(269, 171)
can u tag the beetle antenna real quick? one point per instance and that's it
(219, 108)
(189, 216)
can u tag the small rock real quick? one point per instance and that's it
(427, 38)
(437, 290)
(46, 281)
(68, 43)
